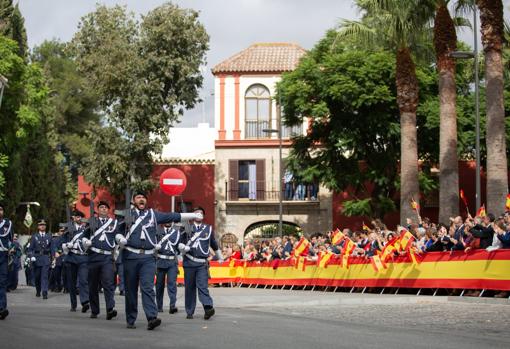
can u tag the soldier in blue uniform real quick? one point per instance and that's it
(194, 246)
(139, 245)
(15, 265)
(56, 265)
(166, 263)
(6, 233)
(40, 253)
(101, 245)
(76, 262)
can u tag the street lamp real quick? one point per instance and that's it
(280, 197)
(3, 84)
(474, 55)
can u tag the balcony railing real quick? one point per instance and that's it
(245, 190)
(253, 129)
(289, 132)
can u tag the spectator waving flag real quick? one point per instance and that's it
(337, 237)
(302, 247)
(481, 211)
(406, 239)
(324, 258)
(415, 206)
(348, 248)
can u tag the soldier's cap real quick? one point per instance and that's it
(139, 192)
(62, 225)
(77, 213)
(199, 208)
(41, 222)
(103, 203)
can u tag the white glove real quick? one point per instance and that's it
(86, 243)
(220, 256)
(183, 248)
(65, 248)
(191, 216)
(157, 247)
(32, 259)
(121, 240)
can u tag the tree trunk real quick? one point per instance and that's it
(407, 99)
(492, 28)
(445, 41)
(497, 170)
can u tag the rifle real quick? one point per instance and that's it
(92, 221)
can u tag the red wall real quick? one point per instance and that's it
(199, 191)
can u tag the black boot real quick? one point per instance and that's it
(3, 313)
(85, 307)
(38, 294)
(173, 310)
(209, 312)
(93, 316)
(110, 314)
(153, 323)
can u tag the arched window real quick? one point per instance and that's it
(257, 111)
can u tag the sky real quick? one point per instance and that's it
(232, 26)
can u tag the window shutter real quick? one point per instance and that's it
(233, 180)
(261, 179)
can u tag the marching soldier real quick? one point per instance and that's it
(138, 257)
(195, 249)
(56, 265)
(76, 262)
(15, 264)
(40, 253)
(166, 263)
(5, 241)
(101, 245)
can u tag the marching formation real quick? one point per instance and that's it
(137, 244)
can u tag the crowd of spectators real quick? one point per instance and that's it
(488, 232)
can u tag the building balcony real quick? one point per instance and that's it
(246, 192)
(254, 130)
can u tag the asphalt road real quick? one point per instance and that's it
(256, 318)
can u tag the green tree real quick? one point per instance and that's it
(145, 75)
(399, 26)
(12, 25)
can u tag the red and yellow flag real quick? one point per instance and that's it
(388, 250)
(365, 227)
(337, 237)
(463, 197)
(406, 238)
(348, 248)
(302, 247)
(377, 263)
(416, 257)
(481, 211)
(415, 206)
(324, 258)
(507, 204)
(300, 263)
(232, 263)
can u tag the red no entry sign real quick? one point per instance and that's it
(172, 181)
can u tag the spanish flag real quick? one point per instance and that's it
(337, 237)
(302, 247)
(481, 211)
(300, 263)
(232, 263)
(377, 263)
(348, 248)
(388, 251)
(406, 238)
(324, 258)
(463, 197)
(507, 204)
(416, 257)
(365, 227)
(415, 206)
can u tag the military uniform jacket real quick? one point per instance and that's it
(199, 240)
(56, 244)
(40, 248)
(77, 253)
(168, 238)
(141, 235)
(6, 234)
(103, 238)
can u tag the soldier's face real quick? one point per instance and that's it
(103, 210)
(140, 202)
(41, 227)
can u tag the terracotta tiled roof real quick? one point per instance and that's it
(263, 57)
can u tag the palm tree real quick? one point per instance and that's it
(400, 26)
(445, 42)
(492, 28)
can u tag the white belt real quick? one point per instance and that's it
(139, 250)
(78, 252)
(97, 250)
(195, 259)
(162, 256)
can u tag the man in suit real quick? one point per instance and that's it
(139, 243)
(76, 262)
(101, 245)
(40, 253)
(167, 267)
(6, 233)
(195, 247)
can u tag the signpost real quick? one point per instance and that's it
(172, 182)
